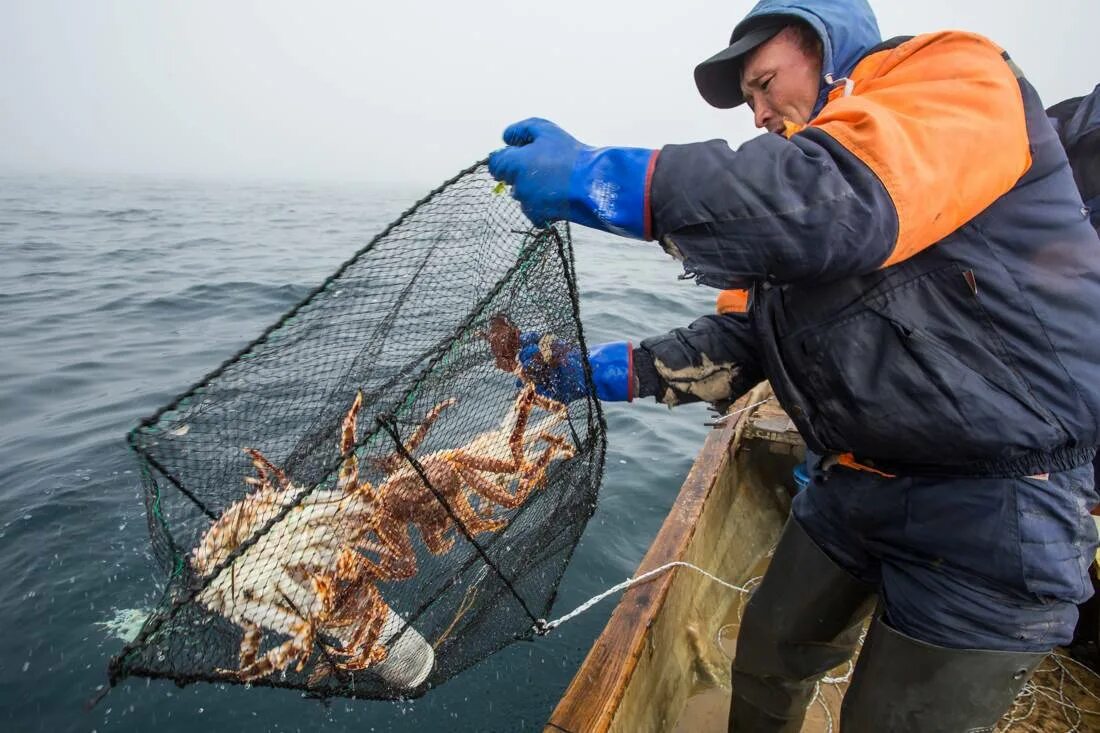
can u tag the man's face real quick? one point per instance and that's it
(780, 81)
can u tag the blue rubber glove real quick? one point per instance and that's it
(555, 177)
(612, 370)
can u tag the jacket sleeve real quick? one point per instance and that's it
(932, 135)
(712, 360)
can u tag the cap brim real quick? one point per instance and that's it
(719, 77)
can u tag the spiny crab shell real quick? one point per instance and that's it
(308, 576)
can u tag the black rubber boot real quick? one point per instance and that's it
(902, 684)
(802, 621)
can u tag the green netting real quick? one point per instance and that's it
(368, 498)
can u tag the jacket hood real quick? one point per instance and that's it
(1084, 118)
(848, 30)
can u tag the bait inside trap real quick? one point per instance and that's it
(372, 496)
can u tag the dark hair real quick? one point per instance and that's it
(808, 39)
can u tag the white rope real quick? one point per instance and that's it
(1028, 696)
(1053, 696)
(1061, 659)
(719, 421)
(629, 582)
(719, 635)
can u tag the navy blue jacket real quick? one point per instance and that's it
(925, 283)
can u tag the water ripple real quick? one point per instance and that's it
(117, 295)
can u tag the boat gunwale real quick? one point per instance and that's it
(596, 691)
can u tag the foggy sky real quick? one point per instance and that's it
(408, 91)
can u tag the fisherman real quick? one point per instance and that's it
(907, 260)
(1077, 121)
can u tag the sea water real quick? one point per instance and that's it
(116, 295)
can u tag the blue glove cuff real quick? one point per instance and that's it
(613, 371)
(609, 190)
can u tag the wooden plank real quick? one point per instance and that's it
(738, 525)
(593, 697)
(770, 423)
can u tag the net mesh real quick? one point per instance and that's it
(369, 498)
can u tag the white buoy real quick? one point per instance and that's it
(411, 658)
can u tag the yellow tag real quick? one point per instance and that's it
(499, 188)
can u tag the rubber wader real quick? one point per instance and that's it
(806, 618)
(902, 684)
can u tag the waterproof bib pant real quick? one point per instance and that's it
(975, 579)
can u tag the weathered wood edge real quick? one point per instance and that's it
(593, 696)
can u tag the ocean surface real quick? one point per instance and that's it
(116, 295)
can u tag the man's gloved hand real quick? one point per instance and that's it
(555, 177)
(558, 371)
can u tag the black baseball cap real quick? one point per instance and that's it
(719, 77)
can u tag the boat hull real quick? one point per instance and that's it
(658, 641)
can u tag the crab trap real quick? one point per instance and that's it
(375, 494)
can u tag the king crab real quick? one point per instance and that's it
(303, 576)
(308, 574)
(482, 470)
(504, 340)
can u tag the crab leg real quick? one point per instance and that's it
(481, 463)
(297, 648)
(393, 461)
(366, 614)
(265, 469)
(421, 431)
(488, 489)
(396, 556)
(551, 405)
(524, 402)
(536, 474)
(250, 645)
(348, 480)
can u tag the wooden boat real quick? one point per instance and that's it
(657, 647)
(662, 661)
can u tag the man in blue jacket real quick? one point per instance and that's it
(918, 281)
